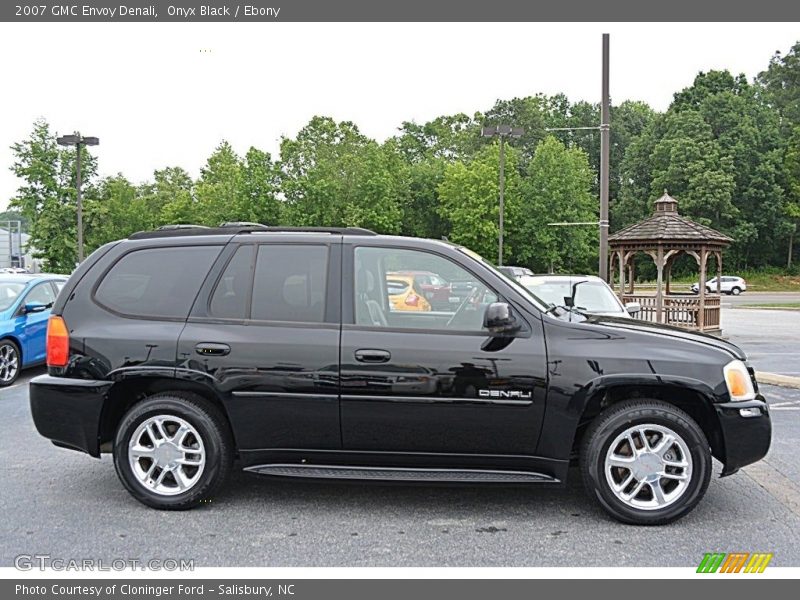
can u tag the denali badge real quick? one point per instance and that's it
(504, 394)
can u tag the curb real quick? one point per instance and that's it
(776, 379)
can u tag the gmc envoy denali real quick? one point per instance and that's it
(284, 351)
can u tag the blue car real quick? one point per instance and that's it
(25, 302)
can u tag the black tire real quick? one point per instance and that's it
(736, 291)
(613, 422)
(10, 348)
(212, 428)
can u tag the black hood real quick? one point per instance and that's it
(656, 329)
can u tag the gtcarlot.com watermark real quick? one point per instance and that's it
(45, 562)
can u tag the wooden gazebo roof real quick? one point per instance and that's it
(665, 226)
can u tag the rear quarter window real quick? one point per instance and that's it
(156, 282)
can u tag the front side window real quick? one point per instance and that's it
(41, 294)
(156, 282)
(390, 293)
(290, 283)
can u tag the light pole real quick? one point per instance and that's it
(502, 132)
(77, 140)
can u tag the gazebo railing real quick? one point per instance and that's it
(679, 310)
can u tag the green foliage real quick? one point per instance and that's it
(557, 190)
(468, 197)
(727, 149)
(47, 197)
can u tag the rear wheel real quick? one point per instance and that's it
(173, 450)
(10, 362)
(646, 461)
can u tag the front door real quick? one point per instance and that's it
(35, 323)
(424, 377)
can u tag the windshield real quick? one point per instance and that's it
(591, 296)
(9, 292)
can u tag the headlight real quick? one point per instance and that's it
(737, 378)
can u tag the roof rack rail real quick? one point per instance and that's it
(234, 228)
(174, 226)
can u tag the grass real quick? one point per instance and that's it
(775, 305)
(757, 281)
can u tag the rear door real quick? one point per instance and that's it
(264, 333)
(433, 381)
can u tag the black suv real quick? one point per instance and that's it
(182, 351)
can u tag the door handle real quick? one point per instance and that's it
(367, 355)
(212, 349)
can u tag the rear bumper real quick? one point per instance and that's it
(746, 432)
(67, 411)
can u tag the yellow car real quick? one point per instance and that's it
(404, 295)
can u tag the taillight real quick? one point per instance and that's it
(412, 300)
(57, 342)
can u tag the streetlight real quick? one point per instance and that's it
(77, 140)
(502, 132)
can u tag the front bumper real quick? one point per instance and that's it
(68, 411)
(746, 432)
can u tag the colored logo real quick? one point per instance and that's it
(734, 562)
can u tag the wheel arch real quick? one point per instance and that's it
(129, 391)
(692, 397)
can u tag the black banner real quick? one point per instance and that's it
(405, 10)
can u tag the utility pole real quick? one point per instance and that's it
(502, 198)
(502, 132)
(605, 148)
(77, 140)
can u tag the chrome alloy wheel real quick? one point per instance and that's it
(166, 455)
(648, 466)
(9, 363)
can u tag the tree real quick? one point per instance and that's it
(557, 189)
(333, 175)
(469, 201)
(792, 174)
(47, 197)
(781, 85)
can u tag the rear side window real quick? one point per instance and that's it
(290, 282)
(229, 300)
(156, 282)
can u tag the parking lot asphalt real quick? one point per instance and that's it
(69, 505)
(769, 337)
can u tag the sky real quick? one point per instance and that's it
(166, 94)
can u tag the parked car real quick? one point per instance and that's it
(515, 272)
(404, 294)
(180, 351)
(728, 285)
(436, 289)
(25, 302)
(13, 270)
(585, 292)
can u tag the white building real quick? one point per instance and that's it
(14, 251)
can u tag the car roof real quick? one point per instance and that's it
(29, 277)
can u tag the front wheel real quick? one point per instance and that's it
(646, 461)
(173, 450)
(736, 291)
(9, 362)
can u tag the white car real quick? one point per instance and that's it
(587, 293)
(14, 270)
(728, 285)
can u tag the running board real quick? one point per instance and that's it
(400, 474)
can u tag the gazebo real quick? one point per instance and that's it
(663, 237)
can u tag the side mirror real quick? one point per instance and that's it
(34, 307)
(499, 319)
(633, 308)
